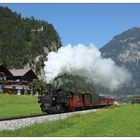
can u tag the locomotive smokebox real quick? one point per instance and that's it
(49, 89)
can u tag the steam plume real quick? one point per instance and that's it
(86, 61)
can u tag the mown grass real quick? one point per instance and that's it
(15, 105)
(114, 121)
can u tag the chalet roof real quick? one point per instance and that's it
(5, 70)
(19, 72)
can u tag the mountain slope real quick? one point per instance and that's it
(124, 49)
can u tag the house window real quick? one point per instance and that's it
(2, 78)
(13, 87)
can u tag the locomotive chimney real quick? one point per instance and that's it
(49, 89)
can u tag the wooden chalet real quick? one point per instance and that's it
(16, 80)
(5, 74)
(23, 75)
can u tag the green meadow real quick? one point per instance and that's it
(15, 105)
(123, 120)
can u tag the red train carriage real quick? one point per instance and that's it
(101, 101)
(87, 100)
(111, 101)
(75, 101)
(106, 101)
(95, 99)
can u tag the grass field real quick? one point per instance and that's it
(15, 105)
(114, 121)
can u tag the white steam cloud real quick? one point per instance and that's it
(86, 61)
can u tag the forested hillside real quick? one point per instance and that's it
(25, 42)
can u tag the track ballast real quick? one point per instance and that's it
(23, 122)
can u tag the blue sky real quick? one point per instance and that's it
(84, 23)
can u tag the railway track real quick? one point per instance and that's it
(21, 117)
(21, 122)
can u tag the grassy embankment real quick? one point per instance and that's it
(114, 121)
(15, 105)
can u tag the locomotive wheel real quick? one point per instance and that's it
(72, 109)
(42, 108)
(61, 109)
(57, 109)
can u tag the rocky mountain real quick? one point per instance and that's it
(124, 49)
(25, 42)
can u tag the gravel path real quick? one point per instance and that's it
(20, 123)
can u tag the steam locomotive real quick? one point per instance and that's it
(58, 101)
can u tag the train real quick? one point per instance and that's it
(136, 100)
(60, 101)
